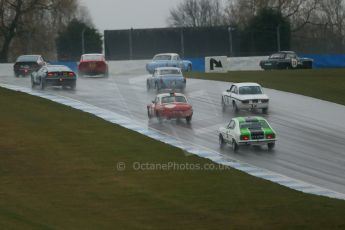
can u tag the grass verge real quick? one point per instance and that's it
(58, 171)
(325, 84)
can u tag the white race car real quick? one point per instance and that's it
(247, 131)
(245, 96)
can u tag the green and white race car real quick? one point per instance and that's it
(247, 131)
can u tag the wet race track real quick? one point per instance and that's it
(311, 132)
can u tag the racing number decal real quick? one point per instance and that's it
(92, 65)
(294, 63)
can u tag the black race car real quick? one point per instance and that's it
(26, 64)
(54, 75)
(286, 60)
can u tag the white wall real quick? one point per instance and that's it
(245, 63)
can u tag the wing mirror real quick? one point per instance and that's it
(228, 90)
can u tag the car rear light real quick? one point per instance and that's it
(245, 101)
(71, 74)
(51, 74)
(244, 137)
(270, 136)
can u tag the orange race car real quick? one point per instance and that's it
(170, 106)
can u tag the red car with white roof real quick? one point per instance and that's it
(170, 106)
(93, 64)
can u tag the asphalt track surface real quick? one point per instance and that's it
(311, 132)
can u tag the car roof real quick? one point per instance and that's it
(249, 119)
(58, 68)
(30, 55)
(166, 54)
(33, 56)
(168, 94)
(167, 68)
(93, 54)
(285, 52)
(246, 84)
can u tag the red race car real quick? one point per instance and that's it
(93, 64)
(169, 106)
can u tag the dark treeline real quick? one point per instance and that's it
(313, 26)
(32, 26)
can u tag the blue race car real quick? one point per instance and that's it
(168, 60)
(166, 78)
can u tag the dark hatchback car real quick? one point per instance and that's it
(26, 64)
(286, 60)
(54, 75)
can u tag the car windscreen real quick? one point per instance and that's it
(250, 90)
(92, 58)
(254, 125)
(162, 57)
(277, 56)
(169, 72)
(172, 99)
(27, 58)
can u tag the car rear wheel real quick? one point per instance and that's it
(42, 84)
(271, 146)
(189, 69)
(235, 146)
(106, 74)
(148, 113)
(32, 82)
(148, 87)
(234, 107)
(223, 105)
(264, 110)
(188, 119)
(73, 85)
(160, 119)
(221, 141)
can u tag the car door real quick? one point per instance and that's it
(293, 59)
(155, 78)
(36, 75)
(231, 94)
(179, 62)
(173, 61)
(43, 73)
(229, 135)
(151, 79)
(233, 130)
(154, 106)
(234, 94)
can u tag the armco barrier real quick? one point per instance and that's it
(71, 64)
(247, 63)
(198, 64)
(327, 60)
